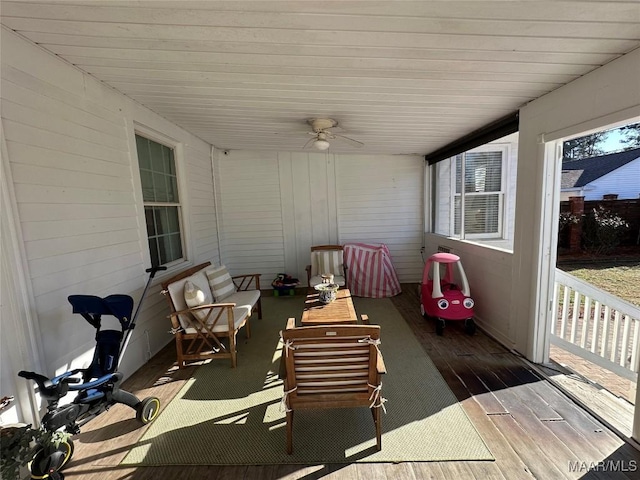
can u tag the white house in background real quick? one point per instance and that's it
(612, 174)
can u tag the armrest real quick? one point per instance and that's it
(201, 307)
(243, 282)
(282, 370)
(178, 325)
(380, 366)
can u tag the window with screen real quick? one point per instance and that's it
(469, 194)
(161, 200)
(479, 195)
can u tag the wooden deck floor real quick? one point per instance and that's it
(532, 429)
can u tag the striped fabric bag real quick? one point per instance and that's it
(371, 272)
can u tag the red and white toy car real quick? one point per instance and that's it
(445, 299)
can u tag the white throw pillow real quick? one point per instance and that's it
(194, 296)
(220, 282)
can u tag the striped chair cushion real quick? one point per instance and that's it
(327, 261)
(220, 282)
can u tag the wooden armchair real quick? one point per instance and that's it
(327, 259)
(332, 367)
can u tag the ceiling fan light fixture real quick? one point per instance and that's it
(321, 144)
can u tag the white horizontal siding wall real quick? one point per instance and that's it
(71, 153)
(199, 202)
(248, 189)
(380, 200)
(308, 198)
(275, 206)
(625, 181)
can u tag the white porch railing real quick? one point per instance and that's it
(596, 326)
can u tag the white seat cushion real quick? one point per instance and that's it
(246, 298)
(244, 303)
(317, 280)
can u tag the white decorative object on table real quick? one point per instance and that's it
(327, 292)
(327, 278)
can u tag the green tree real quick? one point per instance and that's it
(631, 136)
(584, 147)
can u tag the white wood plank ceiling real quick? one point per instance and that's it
(400, 76)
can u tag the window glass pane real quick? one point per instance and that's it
(151, 224)
(146, 178)
(174, 244)
(167, 220)
(481, 214)
(172, 163)
(169, 185)
(153, 251)
(458, 161)
(155, 151)
(167, 160)
(173, 220)
(163, 252)
(170, 247)
(161, 220)
(457, 207)
(160, 188)
(142, 146)
(483, 172)
(172, 188)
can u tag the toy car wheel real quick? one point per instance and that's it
(440, 326)
(147, 410)
(469, 326)
(48, 461)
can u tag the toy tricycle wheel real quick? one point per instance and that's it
(148, 410)
(49, 460)
(469, 326)
(440, 323)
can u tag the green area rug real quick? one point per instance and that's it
(225, 416)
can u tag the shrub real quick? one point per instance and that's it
(602, 230)
(566, 219)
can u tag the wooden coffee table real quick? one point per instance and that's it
(340, 311)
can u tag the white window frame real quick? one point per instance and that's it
(500, 234)
(176, 146)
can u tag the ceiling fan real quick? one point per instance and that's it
(322, 134)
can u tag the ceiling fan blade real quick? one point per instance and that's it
(353, 142)
(308, 142)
